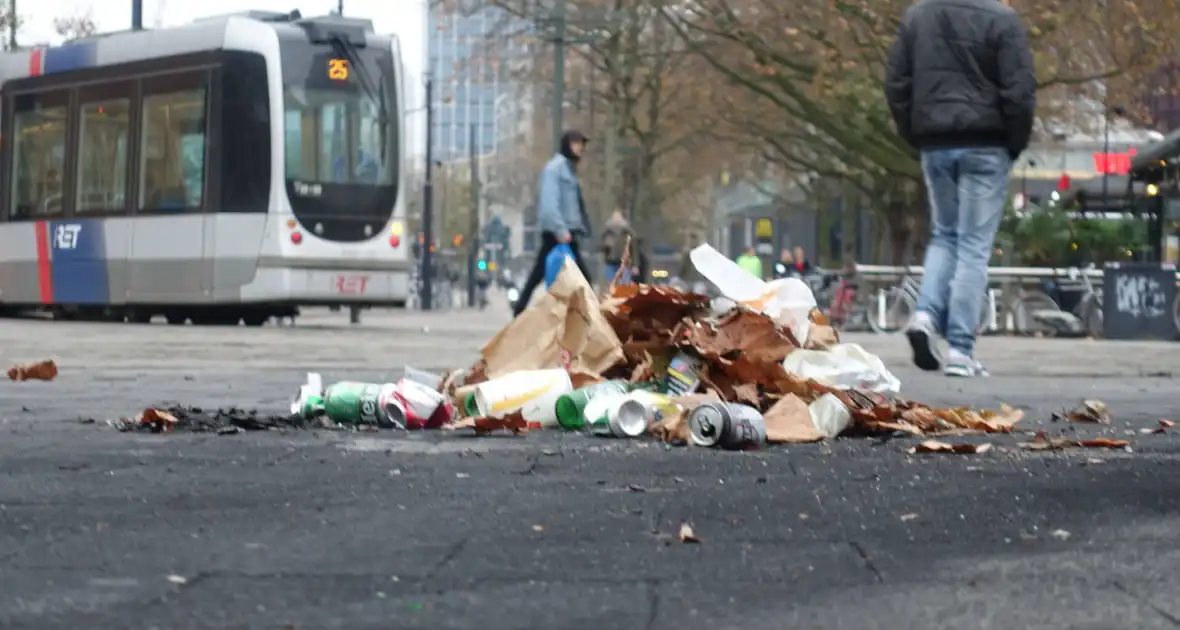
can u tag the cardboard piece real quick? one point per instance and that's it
(563, 329)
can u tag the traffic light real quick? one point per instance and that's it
(483, 265)
(457, 241)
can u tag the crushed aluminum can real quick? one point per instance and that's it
(624, 418)
(411, 405)
(727, 425)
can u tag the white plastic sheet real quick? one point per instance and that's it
(844, 366)
(788, 301)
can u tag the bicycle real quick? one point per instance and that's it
(1035, 312)
(901, 301)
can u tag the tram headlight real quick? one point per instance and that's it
(396, 228)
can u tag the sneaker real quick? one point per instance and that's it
(924, 342)
(962, 365)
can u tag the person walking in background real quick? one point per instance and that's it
(962, 88)
(750, 262)
(561, 212)
(784, 265)
(614, 242)
(688, 273)
(800, 263)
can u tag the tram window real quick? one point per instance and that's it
(102, 155)
(39, 155)
(172, 160)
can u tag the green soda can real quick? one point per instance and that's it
(572, 406)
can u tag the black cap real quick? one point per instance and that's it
(573, 135)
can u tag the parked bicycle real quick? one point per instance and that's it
(1036, 312)
(901, 301)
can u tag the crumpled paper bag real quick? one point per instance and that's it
(563, 329)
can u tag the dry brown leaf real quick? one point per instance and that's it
(1042, 442)
(789, 422)
(39, 371)
(1167, 424)
(1089, 412)
(821, 337)
(687, 535)
(159, 420)
(818, 317)
(747, 394)
(1103, 442)
(581, 378)
(935, 446)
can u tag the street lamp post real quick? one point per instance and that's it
(1117, 110)
(428, 202)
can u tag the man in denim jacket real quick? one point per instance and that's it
(561, 212)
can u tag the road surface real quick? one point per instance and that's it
(325, 529)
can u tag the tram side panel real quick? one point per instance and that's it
(20, 269)
(233, 243)
(164, 264)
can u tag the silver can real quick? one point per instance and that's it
(624, 419)
(727, 425)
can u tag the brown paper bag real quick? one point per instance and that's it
(565, 328)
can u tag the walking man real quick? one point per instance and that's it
(962, 89)
(561, 212)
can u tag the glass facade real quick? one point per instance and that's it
(460, 54)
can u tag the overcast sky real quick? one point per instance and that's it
(406, 18)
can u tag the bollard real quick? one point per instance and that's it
(991, 310)
(354, 315)
(881, 308)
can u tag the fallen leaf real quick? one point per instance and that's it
(687, 535)
(1104, 443)
(1042, 442)
(1089, 412)
(157, 419)
(789, 422)
(934, 446)
(39, 371)
(821, 337)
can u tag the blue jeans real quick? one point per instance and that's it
(968, 188)
(612, 269)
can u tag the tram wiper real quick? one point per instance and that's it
(348, 50)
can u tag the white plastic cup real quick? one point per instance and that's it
(534, 393)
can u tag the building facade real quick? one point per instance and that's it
(466, 78)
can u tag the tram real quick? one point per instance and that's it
(224, 171)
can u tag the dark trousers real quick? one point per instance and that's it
(537, 275)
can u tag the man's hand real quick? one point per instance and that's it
(564, 238)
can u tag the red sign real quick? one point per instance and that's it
(1114, 163)
(351, 285)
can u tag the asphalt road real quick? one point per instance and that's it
(310, 530)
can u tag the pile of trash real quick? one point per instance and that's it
(761, 365)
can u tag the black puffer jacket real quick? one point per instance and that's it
(961, 74)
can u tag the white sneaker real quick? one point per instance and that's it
(924, 342)
(961, 365)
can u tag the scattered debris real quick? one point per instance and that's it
(1090, 412)
(1162, 427)
(40, 371)
(196, 420)
(905, 518)
(1060, 534)
(687, 536)
(935, 446)
(177, 579)
(1043, 442)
